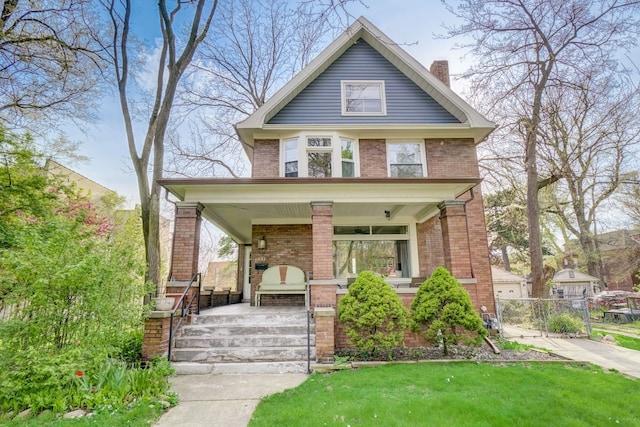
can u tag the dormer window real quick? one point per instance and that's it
(319, 156)
(363, 98)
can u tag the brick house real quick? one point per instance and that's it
(365, 160)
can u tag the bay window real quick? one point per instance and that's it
(319, 156)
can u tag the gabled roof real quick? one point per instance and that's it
(473, 124)
(501, 276)
(570, 275)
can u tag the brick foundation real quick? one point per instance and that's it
(325, 318)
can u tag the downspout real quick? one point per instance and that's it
(466, 219)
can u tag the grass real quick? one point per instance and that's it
(633, 328)
(142, 415)
(460, 394)
(621, 340)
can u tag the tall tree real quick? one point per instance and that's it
(587, 132)
(175, 56)
(523, 47)
(507, 225)
(50, 62)
(255, 47)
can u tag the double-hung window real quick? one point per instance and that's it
(290, 148)
(363, 98)
(319, 156)
(406, 159)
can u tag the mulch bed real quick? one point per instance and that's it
(458, 352)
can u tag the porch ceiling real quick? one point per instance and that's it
(234, 205)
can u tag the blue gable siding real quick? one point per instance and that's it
(319, 103)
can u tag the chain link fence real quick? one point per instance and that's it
(534, 317)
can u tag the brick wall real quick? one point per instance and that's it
(451, 158)
(373, 158)
(286, 245)
(411, 339)
(430, 249)
(155, 341)
(479, 251)
(266, 158)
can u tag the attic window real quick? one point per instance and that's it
(363, 98)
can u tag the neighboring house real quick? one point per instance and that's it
(569, 283)
(365, 160)
(508, 285)
(621, 259)
(96, 193)
(220, 275)
(102, 198)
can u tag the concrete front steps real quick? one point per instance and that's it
(239, 339)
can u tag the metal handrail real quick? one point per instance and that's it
(185, 309)
(308, 306)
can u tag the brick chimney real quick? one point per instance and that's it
(440, 69)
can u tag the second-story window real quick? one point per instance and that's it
(291, 157)
(348, 158)
(406, 159)
(363, 98)
(319, 156)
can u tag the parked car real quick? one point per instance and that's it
(610, 299)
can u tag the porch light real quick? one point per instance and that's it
(262, 243)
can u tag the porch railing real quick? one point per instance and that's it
(184, 306)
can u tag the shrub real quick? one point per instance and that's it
(373, 314)
(564, 324)
(443, 313)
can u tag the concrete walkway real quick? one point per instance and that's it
(222, 400)
(606, 355)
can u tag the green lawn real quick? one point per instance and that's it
(457, 394)
(621, 340)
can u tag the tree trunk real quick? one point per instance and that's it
(505, 258)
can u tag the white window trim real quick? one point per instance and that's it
(283, 154)
(335, 149)
(423, 154)
(383, 98)
(411, 236)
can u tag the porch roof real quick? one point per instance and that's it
(235, 204)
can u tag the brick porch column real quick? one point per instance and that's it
(322, 223)
(455, 237)
(323, 289)
(186, 240)
(155, 341)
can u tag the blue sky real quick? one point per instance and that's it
(104, 142)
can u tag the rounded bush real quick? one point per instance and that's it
(443, 312)
(565, 324)
(373, 315)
